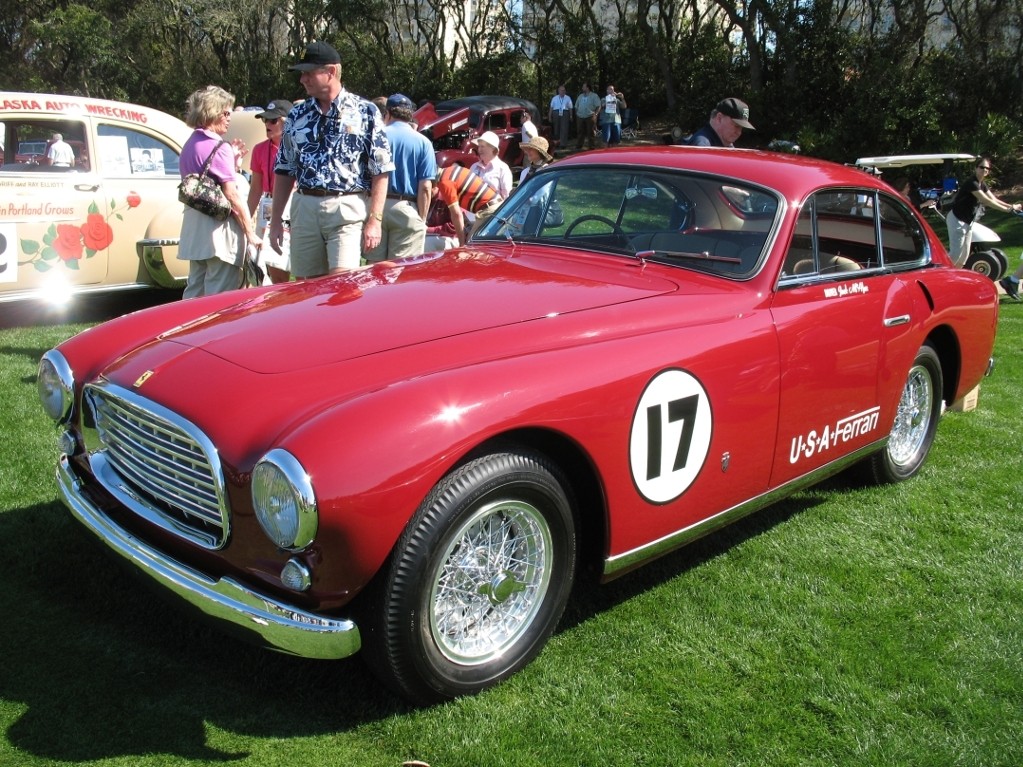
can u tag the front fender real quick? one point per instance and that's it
(158, 250)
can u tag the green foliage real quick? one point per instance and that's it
(508, 73)
(840, 84)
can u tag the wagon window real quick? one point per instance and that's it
(126, 152)
(27, 142)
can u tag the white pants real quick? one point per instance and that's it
(960, 239)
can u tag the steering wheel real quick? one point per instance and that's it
(615, 229)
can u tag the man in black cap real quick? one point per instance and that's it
(335, 152)
(262, 160)
(410, 188)
(727, 122)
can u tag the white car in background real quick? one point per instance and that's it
(112, 220)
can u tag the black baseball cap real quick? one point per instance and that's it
(275, 109)
(317, 54)
(737, 110)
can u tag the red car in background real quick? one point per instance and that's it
(452, 125)
(696, 334)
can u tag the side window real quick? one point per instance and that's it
(125, 152)
(846, 235)
(835, 234)
(46, 146)
(496, 121)
(902, 240)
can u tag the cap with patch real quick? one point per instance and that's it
(275, 110)
(400, 101)
(737, 110)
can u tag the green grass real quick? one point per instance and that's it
(844, 626)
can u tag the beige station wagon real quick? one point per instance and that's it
(110, 221)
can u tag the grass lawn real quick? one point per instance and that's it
(844, 626)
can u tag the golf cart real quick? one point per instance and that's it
(937, 195)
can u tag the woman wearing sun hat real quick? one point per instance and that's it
(537, 156)
(490, 167)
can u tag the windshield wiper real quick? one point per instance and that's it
(702, 256)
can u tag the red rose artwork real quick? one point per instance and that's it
(96, 232)
(68, 242)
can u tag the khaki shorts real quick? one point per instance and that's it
(326, 233)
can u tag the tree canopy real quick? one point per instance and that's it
(842, 78)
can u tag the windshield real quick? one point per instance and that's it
(707, 223)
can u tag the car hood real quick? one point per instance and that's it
(407, 303)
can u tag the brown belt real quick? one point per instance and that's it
(402, 197)
(320, 192)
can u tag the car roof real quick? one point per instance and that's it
(483, 103)
(791, 175)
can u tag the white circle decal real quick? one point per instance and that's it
(670, 435)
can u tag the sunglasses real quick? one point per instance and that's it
(272, 121)
(985, 167)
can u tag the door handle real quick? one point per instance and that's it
(86, 187)
(891, 322)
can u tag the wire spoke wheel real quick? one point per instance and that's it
(491, 582)
(916, 421)
(478, 580)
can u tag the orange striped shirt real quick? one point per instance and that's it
(458, 185)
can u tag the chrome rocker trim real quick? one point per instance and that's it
(622, 563)
(262, 619)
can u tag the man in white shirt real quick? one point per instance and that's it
(60, 154)
(587, 107)
(560, 115)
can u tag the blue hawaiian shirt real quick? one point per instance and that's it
(341, 150)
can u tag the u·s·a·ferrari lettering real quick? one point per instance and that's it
(844, 430)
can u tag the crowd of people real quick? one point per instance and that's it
(341, 180)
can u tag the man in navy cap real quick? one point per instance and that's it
(727, 122)
(410, 187)
(335, 152)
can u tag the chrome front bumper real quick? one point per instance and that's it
(262, 619)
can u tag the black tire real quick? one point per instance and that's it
(916, 421)
(1003, 263)
(984, 262)
(478, 580)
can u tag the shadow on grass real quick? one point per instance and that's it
(590, 598)
(104, 669)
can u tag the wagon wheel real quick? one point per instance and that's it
(477, 582)
(916, 421)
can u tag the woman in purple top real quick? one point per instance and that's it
(215, 249)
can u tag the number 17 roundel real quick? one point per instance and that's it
(670, 435)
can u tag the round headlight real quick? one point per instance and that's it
(56, 386)
(283, 499)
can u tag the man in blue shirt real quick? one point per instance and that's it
(410, 187)
(335, 152)
(727, 122)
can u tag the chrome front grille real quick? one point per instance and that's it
(156, 463)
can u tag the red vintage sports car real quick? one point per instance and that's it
(418, 458)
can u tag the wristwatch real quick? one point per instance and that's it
(377, 216)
